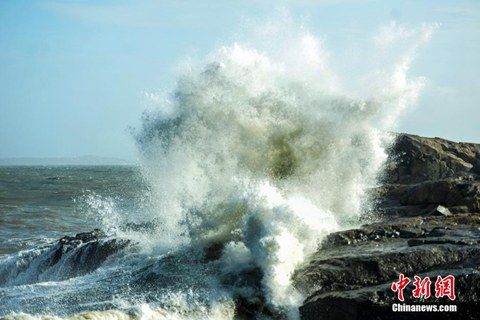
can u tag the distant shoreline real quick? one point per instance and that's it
(74, 161)
(66, 165)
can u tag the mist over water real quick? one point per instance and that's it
(260, 150)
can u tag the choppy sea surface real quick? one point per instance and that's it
(39, 203)
(38, 206)
(139, 279)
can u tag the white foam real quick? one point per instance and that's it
(143, 312)
(268, 150)
(259, 153)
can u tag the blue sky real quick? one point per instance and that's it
(73, 73)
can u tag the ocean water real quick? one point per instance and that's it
(42, 203)
(246, 165)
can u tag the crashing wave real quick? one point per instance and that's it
(249, 153)
(250, 162)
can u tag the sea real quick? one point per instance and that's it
(255, 155)
(41, 203)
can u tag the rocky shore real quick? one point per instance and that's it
(425, 222)
(427, 216)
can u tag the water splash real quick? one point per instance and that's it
(268, 155)
(258, 153)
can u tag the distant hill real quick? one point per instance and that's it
(74, 161)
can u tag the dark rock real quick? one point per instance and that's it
(376, 302)
(82, 237)
(458, 209)
(427, 224)
(459, 195)
(256, 308)
(423, 173)
(376, 252)
(449, 193)
(476, 167)
(349, 276)
(416, 159)
(86, 251)
(71, 256)
(213, 251)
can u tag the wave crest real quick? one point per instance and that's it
(248, 150)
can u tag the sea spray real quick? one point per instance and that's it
(251, 153)
(257, 154)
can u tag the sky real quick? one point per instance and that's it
(73, 74)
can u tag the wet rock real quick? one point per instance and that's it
(423, 173)
(71, 256)
(80, 238)
(254, 308)
(427, 217)
(376, 302)
(417, 159)
(449, 193)
(344, 278)
(370, 255)
(476, 167)
(213, 251)
(85, 252)
(459, 195)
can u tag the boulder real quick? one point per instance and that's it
(71, 256)
(416, 159)
(423, 173)
(426, 222)
(349, 277)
